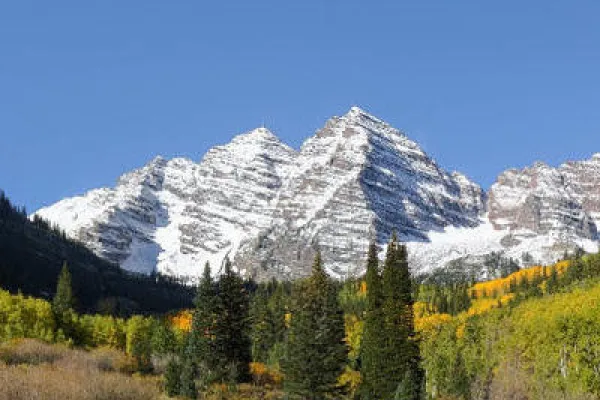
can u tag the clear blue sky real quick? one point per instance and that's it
(91, 89)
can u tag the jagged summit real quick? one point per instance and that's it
(260, 133)
(356, 178)
(357, 115)
(158, 160)
(540, 165)
(267, 206)
(357, 112)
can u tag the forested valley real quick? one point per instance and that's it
(529, 334)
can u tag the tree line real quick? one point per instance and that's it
(32, 253)
(300, 329)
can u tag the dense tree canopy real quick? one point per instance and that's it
(315, 349)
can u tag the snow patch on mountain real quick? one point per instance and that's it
(454, 243)
(268, 207)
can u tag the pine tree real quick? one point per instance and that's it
(278, 309)
(201, 340)
(524, 284)
(473, 293)
(409, 388)
(172, 378)
(263, 327)
(315, 349)
(63, 300)
(401, 350)
(63, 303)
(552, 283)
(512, 285)
(187, 383)
(277, 305)
(462, 300)
(232, 328)
(373, 342)
(574, 272)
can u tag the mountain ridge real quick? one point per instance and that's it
(268, 206)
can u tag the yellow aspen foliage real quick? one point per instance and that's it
(262, 375)
(363, 288)
(350, 379)
(354, 330)
(429, 325)
(288, 319)
(483, 305)
(460, 330)
(420, 309)
(502, 285)
(182, 320)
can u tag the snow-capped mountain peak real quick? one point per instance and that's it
(257, 134)
(268, 207)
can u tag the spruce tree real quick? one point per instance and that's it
(201, 341)
(232, 328)
(409, 388)
(401, 349)
(552, 283)
(187, 383)
(277, 305)
(172, 378)
(523, 284)
(315, 349)
(278, 310)
(63, 300)
(373, 342)
(63, 303)
(263, 329)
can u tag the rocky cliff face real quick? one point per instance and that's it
(268, 207)
(543, 199)
(357, 180)
(173, 216)
(232, 200)
(118, 223)
(540, 200)
(583, 177)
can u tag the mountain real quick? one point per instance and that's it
(173, 216)
(538, 212)
(32, 254)
(268, 207)
(357, 179)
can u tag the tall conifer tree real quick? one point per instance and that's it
(63, 303)
(63, 300)
(172, 378)
(187, 383)
(315, 349)
(232, 328)
(263, 326)
(201, 347)
(401, 350)
(373, 342)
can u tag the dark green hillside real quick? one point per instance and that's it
(32, 253)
